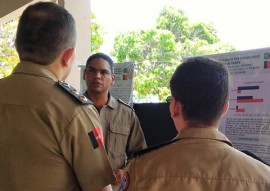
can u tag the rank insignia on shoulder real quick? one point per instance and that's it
(73, 92)
(124, 103)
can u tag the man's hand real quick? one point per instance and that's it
(119, 173)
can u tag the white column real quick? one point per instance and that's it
(81, 11)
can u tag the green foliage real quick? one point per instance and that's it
(157, 52)
(97, 32)
(8, 54)
(175, 21)
(204, 31)
(199, 47)
(178, 23)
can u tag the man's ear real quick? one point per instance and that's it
(226, 108)
(175, 107)
(113, 78)
(67, 56)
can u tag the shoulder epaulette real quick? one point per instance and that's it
(149, 149)
(124, 103)
(74, 93)
(255, 157)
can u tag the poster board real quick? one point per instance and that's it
(124, 82)
(247, 123)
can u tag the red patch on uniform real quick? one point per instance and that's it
(96, 138)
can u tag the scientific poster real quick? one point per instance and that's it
(123, 86)
(247, 123)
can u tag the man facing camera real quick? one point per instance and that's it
(120, 125)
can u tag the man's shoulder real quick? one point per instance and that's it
(73, 93)
(124, 104)
(151, 148)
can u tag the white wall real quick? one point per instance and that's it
(81, 11)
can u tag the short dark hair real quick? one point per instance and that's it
(44, 31)
(103, 56)
(201, 84)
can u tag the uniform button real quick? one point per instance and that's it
(66, 85)
(83, 98)
(75, 92)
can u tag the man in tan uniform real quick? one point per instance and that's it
(121, 127)
(49, 136)
(200, 157)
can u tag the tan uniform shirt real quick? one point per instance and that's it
(122, 131)
(44, 136)
(202, 160)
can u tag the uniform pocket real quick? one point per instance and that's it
(118, 137)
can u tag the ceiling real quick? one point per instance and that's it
(10, 9)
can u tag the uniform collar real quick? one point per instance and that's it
(112, 102)
(190, 133)
(203, 133)
(31, 68)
